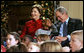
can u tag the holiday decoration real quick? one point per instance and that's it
(48, 9)
(4, 15)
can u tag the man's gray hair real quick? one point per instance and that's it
(61, 9)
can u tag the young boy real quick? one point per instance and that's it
(46, 27)
(76, 42)
(41, 38)
(27, 39)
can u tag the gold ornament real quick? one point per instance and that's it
(43, 18)
(2, 6)
(48, 9)
(42, 1)
(42, 4)
(46, 4)
(43, 10)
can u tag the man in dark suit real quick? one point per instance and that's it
(67, 26)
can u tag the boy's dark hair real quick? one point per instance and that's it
(19, 48)
(22, 48)
(43, 37)
(13, 49)
(16, 36)
(29, 37)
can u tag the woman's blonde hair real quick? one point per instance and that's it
(39, 8)
(37, 5)
(50, 46)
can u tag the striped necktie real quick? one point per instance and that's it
(64, 29)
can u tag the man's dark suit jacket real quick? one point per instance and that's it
(73, 24)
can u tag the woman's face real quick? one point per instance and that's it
(35, 13)
(11, 41)
(75, 43)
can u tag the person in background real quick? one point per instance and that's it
(14, 42)
(3, 39)
(46, 27)
(34, 24)
(19, 48)
(41, 38)
(3, 48)
(33, 47)
(67, 26)
(22, 48)
(26, 40)
(76, 43)
(4, 33)
(13, 39)
(13, 49)
(51, 46)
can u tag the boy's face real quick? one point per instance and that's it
(11, 41)
(75, 43)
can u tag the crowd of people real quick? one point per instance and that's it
(41, 35)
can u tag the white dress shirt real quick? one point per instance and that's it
(61, 30)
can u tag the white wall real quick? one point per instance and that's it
(75, 8)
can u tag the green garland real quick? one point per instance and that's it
(4, 15)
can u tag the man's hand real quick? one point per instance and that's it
(60, 39)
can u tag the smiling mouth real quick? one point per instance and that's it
(33, 15)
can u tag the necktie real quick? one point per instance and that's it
(64, 29)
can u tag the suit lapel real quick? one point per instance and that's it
(70, 26)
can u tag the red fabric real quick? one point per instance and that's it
(3, 49)
(31, 26)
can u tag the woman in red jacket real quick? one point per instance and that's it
(34, 24)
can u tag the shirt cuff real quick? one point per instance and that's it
(69, 37)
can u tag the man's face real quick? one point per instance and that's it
(75, 43)
(60, 16)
